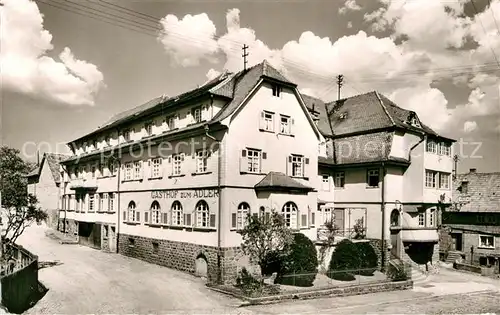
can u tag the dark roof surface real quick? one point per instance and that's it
(483, 192)
(313, 103)
(53, 161)
(278, 180)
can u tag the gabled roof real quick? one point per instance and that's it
(483, 192)
(279, 181)
(319, 107)
(53, 161)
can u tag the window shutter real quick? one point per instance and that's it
(212, 220)
(233, 220)
(262, 120)
(124, 216)
(307, 161)
(182, 157)
(150, 169)
(165, 218)
(243, 153)
(138, 216)
(243, 161)
(187, 219)
(313, 218)
(304, 220)
(292, 123)
(264, 155)
(146, 217)
(141, 165)
(289, 165)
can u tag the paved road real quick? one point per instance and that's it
(90, 281)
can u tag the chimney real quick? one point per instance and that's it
(472, 170)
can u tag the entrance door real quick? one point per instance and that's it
(457, 241)
(339, 219)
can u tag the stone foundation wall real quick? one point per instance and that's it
(445, 240)
(69, 228)
(182, 256)
(377, 245)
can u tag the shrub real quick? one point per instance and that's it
(344, 260)
(396, 273)
(247, 283)
(271, 263)
(368, 258)
(300, 266)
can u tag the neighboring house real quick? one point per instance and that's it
(241, 144)
(471, 228)
(44, 183)
(390, 174)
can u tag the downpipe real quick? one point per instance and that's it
(383, 247)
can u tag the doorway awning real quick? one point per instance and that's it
(277, 181)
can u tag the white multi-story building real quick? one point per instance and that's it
(172, 181)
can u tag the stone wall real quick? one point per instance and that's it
(182, 256)
(445, 240)
(377, 245)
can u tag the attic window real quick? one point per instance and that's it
(276, 90)
(413, 119)
(464, 187)
(343, 116)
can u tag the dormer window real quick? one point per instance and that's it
(277, 90)
(94, 144)
(126, 135)
(413, 119)
(196, 112)
(149, 128)
(107, 139)
(343, 116)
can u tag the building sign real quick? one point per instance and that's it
(185, 194)
(485, 219)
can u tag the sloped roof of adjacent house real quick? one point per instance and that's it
(280, 181)
(482, 195)
(52, 160)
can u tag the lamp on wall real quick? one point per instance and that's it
(399, 205)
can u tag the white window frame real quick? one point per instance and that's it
(431, 146)
(93, 170)
(111, 202)
(254, 158)
(447, 182)
(432, 218)
(91, 202)
(298, 165)
(131, 210)
(177, 213)
(285, 126)
(107, 140)
(421, 219)
(201, 161)
(129, 171)
(339, 179)
(155, 212)
(126, 135)
(197, 114)
(268, 122)
(156, 164)
(137, 169)
(276, 90)
(242, 215)
(148, 127)
(325, 181)
(372, 173)
(290, 214)
(112, 168)
(430, 179)
(202, 214)
(492, 246)
(101, 202)
(171, 122)
(177, 164)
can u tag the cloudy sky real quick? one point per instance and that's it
(68, 65)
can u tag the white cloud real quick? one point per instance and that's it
(212, 74)
(27, 69)
(349, 24)
(349, 5)
(470, 126)
(190, 39)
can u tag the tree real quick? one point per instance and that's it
(265, 237)
(19, 207)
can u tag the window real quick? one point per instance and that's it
(171, 122)
(414, 121)
(91, 202)
(137, 169)
(421, 219)
(94, 144)
(277, 90)
(395, 216)
(326, 182)
(177, 165)
(202, 214)
(267, 121)
(373, 178)
(131, 211)
(201, 161)
(327, 215)
(290, 214)
(149, 128)
(285, 125)
(196, 112)
(445, 149)
(107, 139)
(101, 202)
(431, 146)
(339, 179)
(486, 241)
(93, 171)
(126, 135)
(444, 180)
(101, 169)
(253, 158)
(156, 168)
(297, 166)
(128, 171)
(464, 188)
(241, 216)
(177, 214)
(111, 206)
(430, 178)
(112, 168)
(432, 217)
(155, 213)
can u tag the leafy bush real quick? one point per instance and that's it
(247, 283)
(397, 273)
(344, 260)
(300, 266)
(271, 263)
(368, 258)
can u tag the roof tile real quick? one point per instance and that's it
(483, 192)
